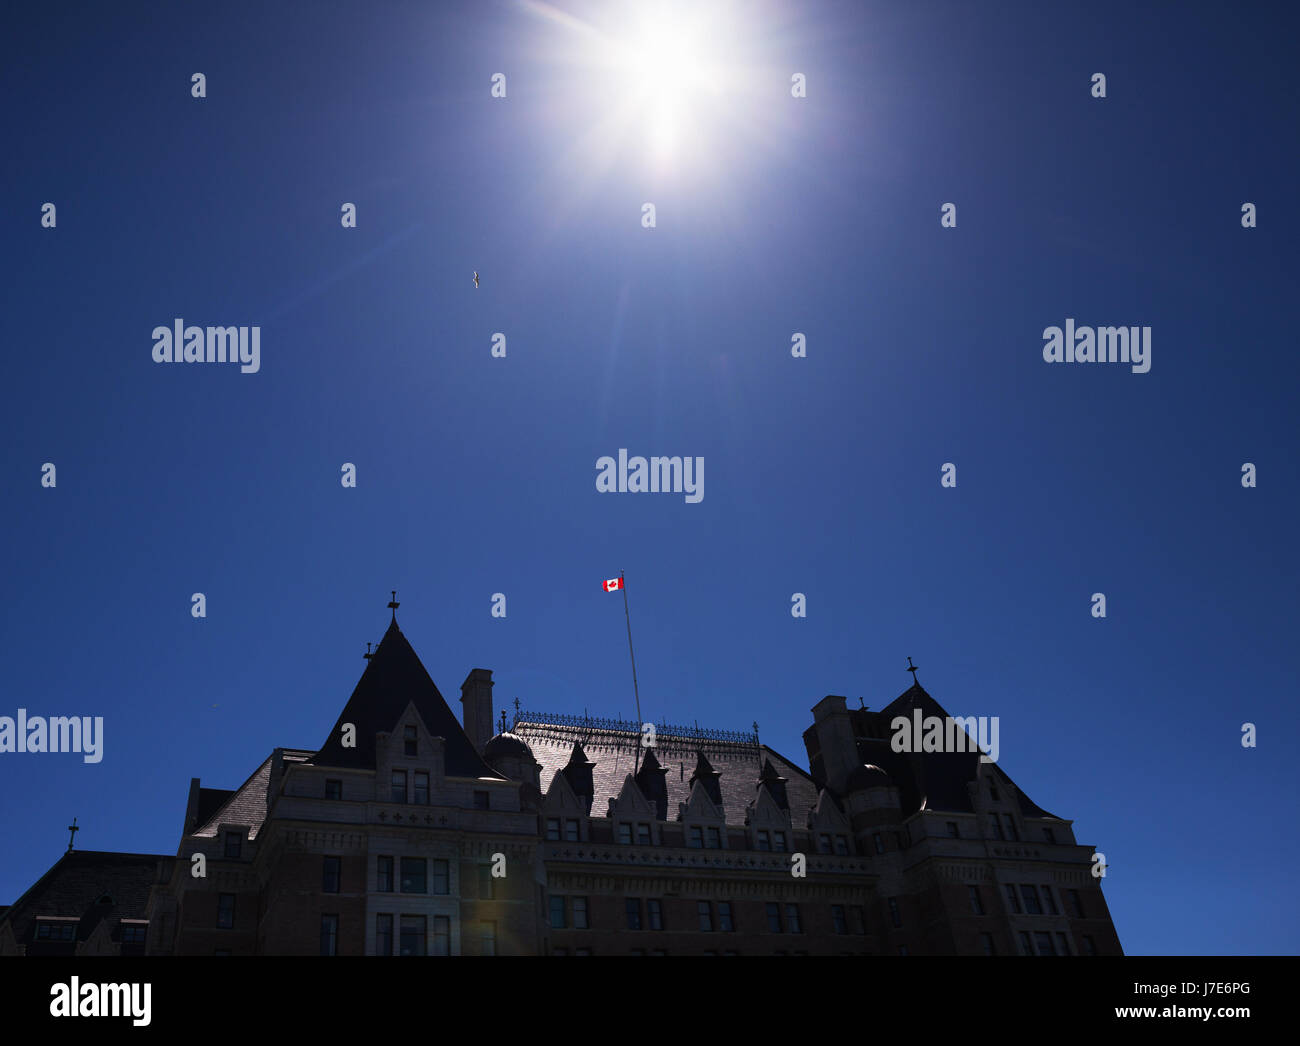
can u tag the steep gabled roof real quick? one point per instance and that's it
(929, 780)
(75, 883)
(393, 678)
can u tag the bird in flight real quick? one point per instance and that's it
(476, 281)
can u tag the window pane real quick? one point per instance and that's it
(399, 786)
(643, 834)
(487, 938)
(841, 845)
(624, 833)
(421, 787)
(764, 840)
(773, 917)
(553, 829)
(792, 923)
(571, 830)
(696, 838)
(1030, 895)
(579, 913)
(1050, 901)
(724, 917)
(1013, 902)
(412, 941)
(383, 935)
(330, 875)
(385, 884)
(976, 902)
(480, 800)
(333, 789)
(778, 842)
(705, 914)
(823, 844)
(233, 842)
(410, 737)
(329, 933)
(557, 913)
(1044, 942)
(715, 839)
(413, 875)
(632, 906)
(655, 910)
(837, 917)
(441, 935)
(441, 877)
(225, 911)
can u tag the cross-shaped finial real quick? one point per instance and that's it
(912, 668)
(368, 655)
(394, 605)
(74, 830)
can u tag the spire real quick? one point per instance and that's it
(73, 829)
(708, 778)
(774, 783)
(394, 604)
(912, 668)
(578, 773)
(651, 779)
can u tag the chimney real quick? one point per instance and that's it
(476, 697)
(836, 749)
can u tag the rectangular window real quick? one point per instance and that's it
(412, 937)
(1076, 904)
(714, 839)
(695, 837)
(233, 844)
(953, 831)
(705, 913)
(859, 919)
(898, 840)
(385, 879)
(823, 843)
(792, 923)
(225, 911)
(421, 787)
(441, 935)
(486, 884)
(643, 835)
(329, 935)
(996, 826)
(878, 842)
(625, 833)
(1013, 902)
(842, 845)
(1063, 943)
(580, 913)
(654, 909)
(778, 842)
(571, 834)
(895, 916)
(1049, 901)
(1089, 948)
(725, 923)
(976, 902)
(764, 840)
(986, 942)
(441, 877)
(1026, 947)
(333, 789)
(553, 829)
(837, 917)
(773, 917)
(1051, 835)
(398, 794)
(487, 937)
(133, 934)
(414, 871)
(331, 872)
(993, 791)
(632, 906)
(410, 738)
(1044, 942)
(480, 800)
(557, 913)
(559, 951)
(1012, 831)
(581, 951)
(1030, 895)
(384, 934)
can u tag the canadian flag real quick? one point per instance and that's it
(613, 584)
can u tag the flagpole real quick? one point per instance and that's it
(637, 763)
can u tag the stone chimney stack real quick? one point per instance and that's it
(837, 751)
(476, 699)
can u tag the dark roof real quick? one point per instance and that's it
(507, 745)
(246, 805)
(929, 780)
(394, 678)
(613, 753)
(210, 801)
(74, 885)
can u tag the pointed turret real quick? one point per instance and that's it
(651, 780)
(394, 678)
(774, 783)
(578, 773)
(708, 778)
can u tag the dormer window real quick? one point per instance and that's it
(233, 843)
(643, 834)
(399, 786)
(695, 839)
(778, 841)
(842, 845)
(764, 839)
(410, 737)
(571, 834)
(824, 843)
(421, 787)
(333, 789)
(714, 839)
(553, 829)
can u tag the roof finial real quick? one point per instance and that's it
(394, 605)
(912, 668)
(503, 721)
(368, 654)
(74, 830)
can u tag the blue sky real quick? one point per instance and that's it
(476, 475)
